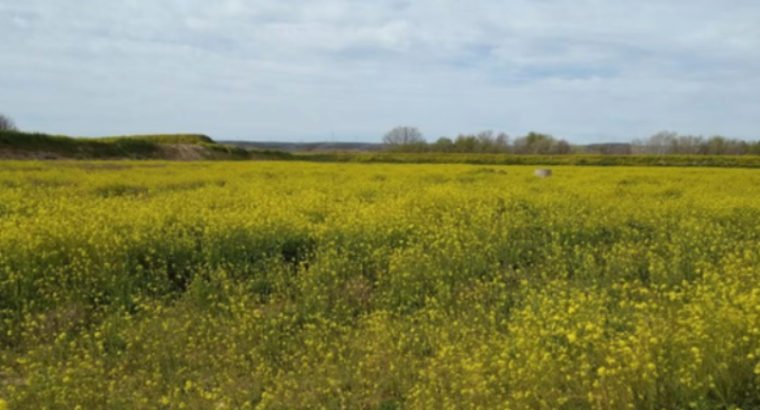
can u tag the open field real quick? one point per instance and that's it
(717, 161)
(145, 284)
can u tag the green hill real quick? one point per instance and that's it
(24, 145)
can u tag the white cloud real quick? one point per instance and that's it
(309, 69)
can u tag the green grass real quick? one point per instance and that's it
(58, 145)
(24, 144)
(193, 139)
(746, 161)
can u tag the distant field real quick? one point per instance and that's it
(211, 285)
(720, 161)
(16, 145)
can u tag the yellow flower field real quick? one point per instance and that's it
(242, 285)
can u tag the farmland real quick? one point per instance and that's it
(149, 284)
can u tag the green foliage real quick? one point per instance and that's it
(132, 147)
(149, 284)
(194, 139)
(746, 161)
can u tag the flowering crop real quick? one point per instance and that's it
(301, 285)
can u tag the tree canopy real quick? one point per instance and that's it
(403, 135)
(6, 124)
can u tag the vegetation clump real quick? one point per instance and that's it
(26, 145)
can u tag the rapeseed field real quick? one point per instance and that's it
(280, 285)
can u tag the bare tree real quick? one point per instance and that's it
(6, 124)
(403, 136)
(502, 141)
(534, 143)
(541, 144)
(561, 147)
(661, 143)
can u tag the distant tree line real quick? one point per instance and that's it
(410, 139)
(6, 124)
(666, 142)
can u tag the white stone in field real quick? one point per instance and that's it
(542, 172)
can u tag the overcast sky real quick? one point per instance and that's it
(305, 70)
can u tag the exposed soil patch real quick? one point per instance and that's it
(184, 152)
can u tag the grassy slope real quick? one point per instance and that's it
(15, 144)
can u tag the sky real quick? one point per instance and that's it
(350, 70)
